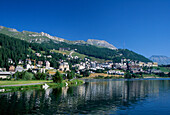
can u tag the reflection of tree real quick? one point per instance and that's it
(57, 92)
(70, 91)
(88, 98)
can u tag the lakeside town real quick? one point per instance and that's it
(85, 68)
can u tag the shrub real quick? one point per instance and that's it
(27, 76)
(23, 75)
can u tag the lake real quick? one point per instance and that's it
(96, 96)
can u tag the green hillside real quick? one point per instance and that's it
(97, 52)
(16, 49)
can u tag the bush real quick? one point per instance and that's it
(57, 78)
(27, 76)
(23, 75)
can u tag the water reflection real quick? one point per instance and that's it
(92, 97)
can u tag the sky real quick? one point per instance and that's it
(142, 26)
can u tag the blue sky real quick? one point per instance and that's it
(143, 25)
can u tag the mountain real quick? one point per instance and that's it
(101, 43)
(160, 59)
(29, 36)
(44, 37)
(92, 48)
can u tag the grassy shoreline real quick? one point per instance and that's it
(17, 82)
(51, 84)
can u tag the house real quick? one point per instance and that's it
(114, 72)
(28, 61)
(12, 68)
(28, 66)
(40, 62)
(49, 56)
(76, 57)
(142, 64)
(42, 70)
(19, 69)
(20, 62)
(64, 66)
(47, 64)
(106, 66)
(155, 64)
(10, 61)
(81, 67)
(93, 65)
(64, 49)
(2, 69)
(3, 75)
(38, 54)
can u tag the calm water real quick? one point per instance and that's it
(94, 97)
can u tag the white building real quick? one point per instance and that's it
(19, 69)
(47, 64)
(64, 66)
(28, 66)
(38, 54)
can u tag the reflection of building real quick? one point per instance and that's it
(64, 66)
(107, 95)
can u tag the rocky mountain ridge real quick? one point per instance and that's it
(101, 43)
(43, 37)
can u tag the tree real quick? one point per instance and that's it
(70, 75)
(128, 75)
(40, 76)
(57, 78)
(86, 73)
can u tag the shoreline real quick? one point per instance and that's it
(21, 87)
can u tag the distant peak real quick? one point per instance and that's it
(101, 43)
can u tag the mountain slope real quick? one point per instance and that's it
(160, 59)
(52, 42)
(98, 52)
(101, 43)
